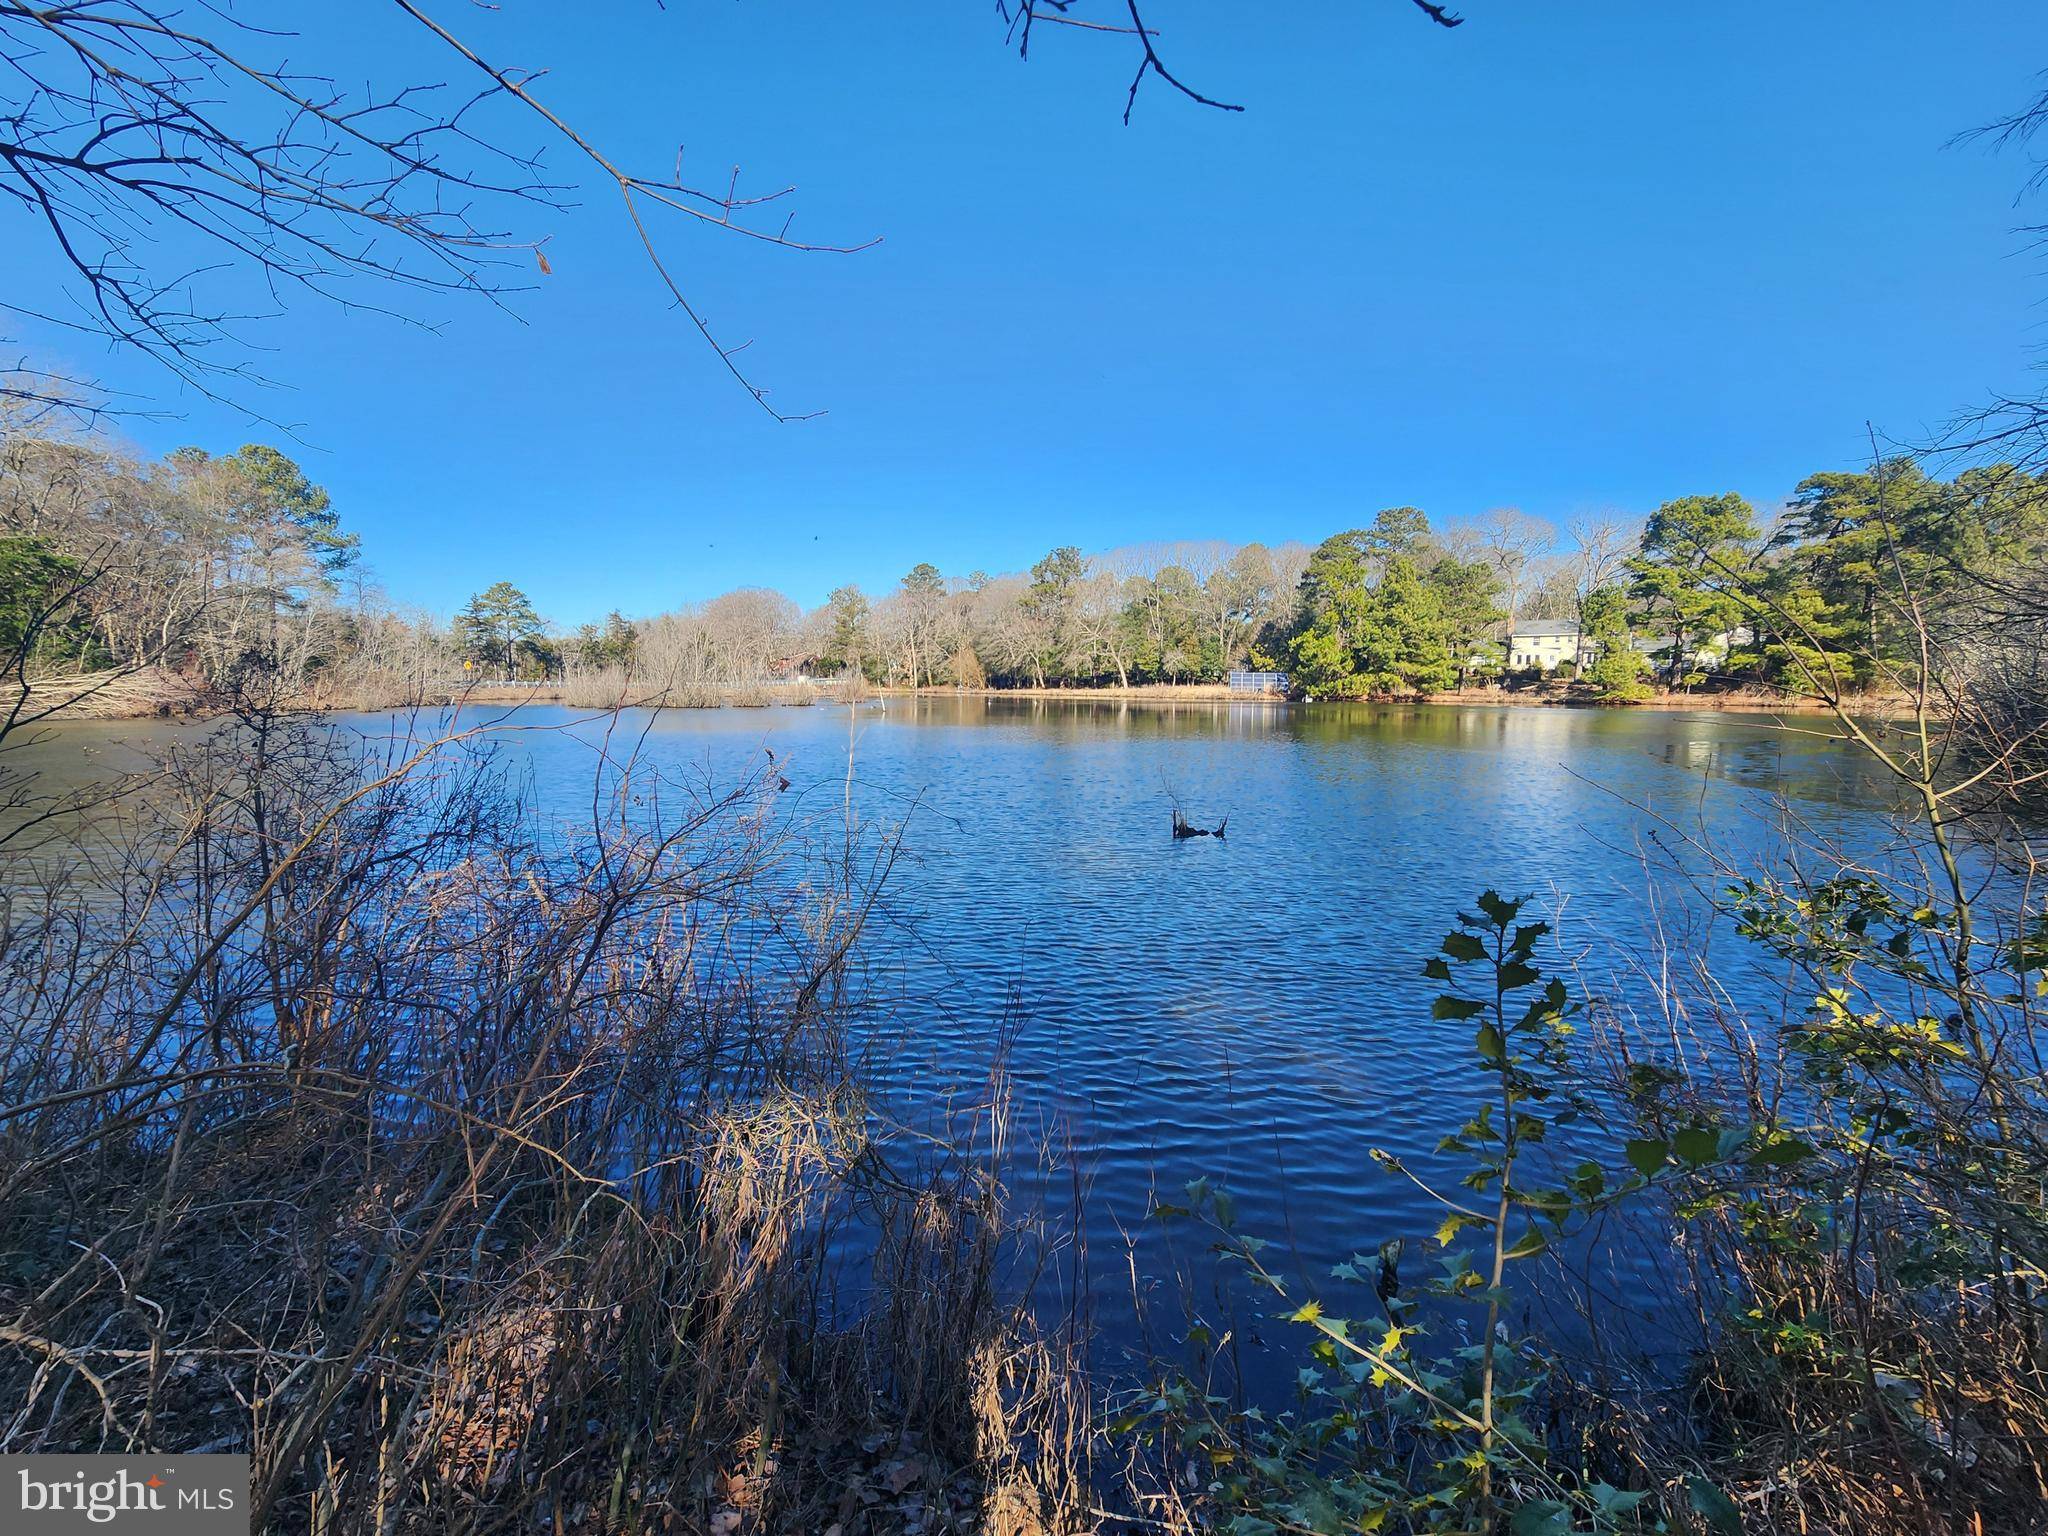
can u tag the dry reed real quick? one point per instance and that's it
(471, 1176)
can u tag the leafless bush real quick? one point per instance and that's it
(466, 1174)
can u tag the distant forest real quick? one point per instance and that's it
(233, 570)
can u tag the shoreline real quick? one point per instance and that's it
(1731, 702)
(186, 703)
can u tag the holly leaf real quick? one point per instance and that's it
(1498, 909)
(1612, 1501)
(1452, 1225)
(1464, 946)
(1542, 1517)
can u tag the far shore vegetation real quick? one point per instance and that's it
(134, 587)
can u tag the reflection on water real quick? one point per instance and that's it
(1251, 1009)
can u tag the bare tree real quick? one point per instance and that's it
(738, 638)
(1290, 560)
(1021, 16)
(1237, 598)
(124, 132)
(1012, 636)
(922, 596)
(1101, 637)
(132, 128)
(1508, 540)
(1599, 546)
(97, 571)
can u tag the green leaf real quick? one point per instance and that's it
(1714, 1507)
(1697, 1145)
(1316, 1512)
(1448, 1007)
(1612, 1501)
(1435, 969)
(1518, 973)
(1542, 1517)
(1780, 1151)
(1646, 1157)
(1460, 945)
(1491, 1046)
(1498, 909)
(1549, 1005)
(1528, 1245)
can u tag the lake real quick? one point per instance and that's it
(1248, 1009)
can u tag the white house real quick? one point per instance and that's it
(1710, 654)
(1545, 645)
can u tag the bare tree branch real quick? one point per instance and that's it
(120, 129)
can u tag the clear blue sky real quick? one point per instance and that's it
(1570, 255)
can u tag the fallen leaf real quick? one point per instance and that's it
(903, 1474)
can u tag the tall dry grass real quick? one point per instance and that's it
(471, 1174)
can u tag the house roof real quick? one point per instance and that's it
(1545, 629)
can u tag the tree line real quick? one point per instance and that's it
(233, 570)
(1828, 594)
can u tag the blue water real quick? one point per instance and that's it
(1250, 1009)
